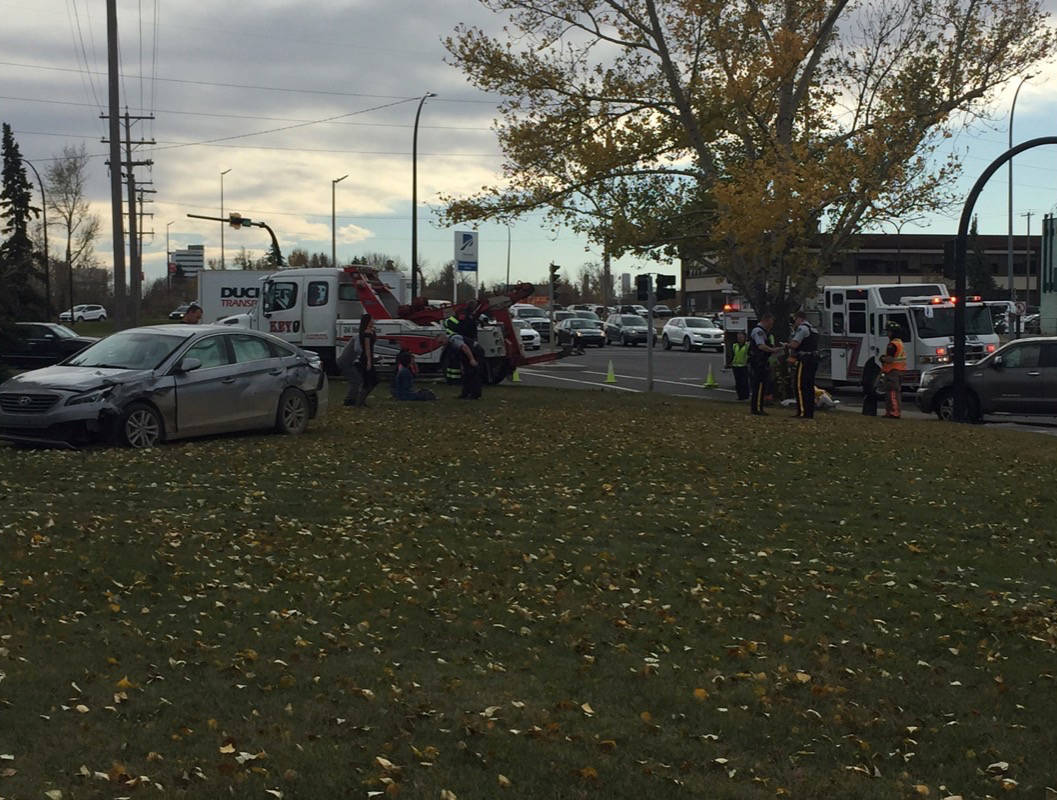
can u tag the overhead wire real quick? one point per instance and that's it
(78, 38)
(259, 116)
(262, 88)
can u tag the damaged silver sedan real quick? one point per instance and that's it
(143, 386)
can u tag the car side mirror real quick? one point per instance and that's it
(188, 365)
(996, 362)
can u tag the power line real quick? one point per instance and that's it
(258, 88)
(298, 149)
(77, 33)
(255, 116)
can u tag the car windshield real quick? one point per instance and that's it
(580, 323)
(128, 350)
(632, 321)
(699, 323)
(62, 331)
(941, 323)
(531, 312)
(591, 315)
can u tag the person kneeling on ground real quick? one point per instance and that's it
(405, 379)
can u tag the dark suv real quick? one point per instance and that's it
(40, 344)
(627, 329)
(1020, 378)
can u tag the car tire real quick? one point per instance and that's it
(79, 319)
(945, 406)
(624, 341)
(291, 416)
(102, 317)
(665, 342)
(687, 346)
(140, 426)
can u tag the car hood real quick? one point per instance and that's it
(70, 379)
(82, 340)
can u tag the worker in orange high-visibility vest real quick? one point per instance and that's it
(893, 363)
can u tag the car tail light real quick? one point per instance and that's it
(991, 348)
(941, 351)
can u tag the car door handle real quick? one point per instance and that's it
(277, 371)
(1034, 374)
(228, 380)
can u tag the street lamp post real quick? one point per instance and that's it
(414, 196)
(1009, 239)
(222, 224)
(44, 223)
(333, 217)
(168, 257)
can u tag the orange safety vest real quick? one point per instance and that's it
(899, 360)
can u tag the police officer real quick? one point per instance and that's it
(760, 351)
(803, 348)
(451, 355)
(893, 362)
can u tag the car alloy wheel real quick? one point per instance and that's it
(687, 346)
(666, 342)
(292, 417)
(141, 426)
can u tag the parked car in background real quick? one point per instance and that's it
(530, 338)
(143, 386)
(579, 333)
(1019, 378)
(178, 312)
(83, 313)
(662, 311)
(38, 344)
(692, 333)
(626, 329)
(534, 316)
(563, 315)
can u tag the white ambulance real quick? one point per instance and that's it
(853, 326)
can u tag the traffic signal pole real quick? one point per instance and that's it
(650, 302)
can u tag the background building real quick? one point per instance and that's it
(189, 262)
(888, 258)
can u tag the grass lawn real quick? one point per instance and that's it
(539, 595)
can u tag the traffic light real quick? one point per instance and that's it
(236, 220)
(555, 277)
(642, 288)
(663, 284)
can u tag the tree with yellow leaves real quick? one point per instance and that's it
(764, 133)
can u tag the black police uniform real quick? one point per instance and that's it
(758, 367)
(806, 367)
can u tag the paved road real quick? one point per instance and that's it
(683, 374)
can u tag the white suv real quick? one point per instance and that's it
(692, 333)
(83, 313)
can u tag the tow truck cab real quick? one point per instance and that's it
(853, 324)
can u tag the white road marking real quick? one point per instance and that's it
(586, 383)
(660, 380)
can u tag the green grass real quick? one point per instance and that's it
(592, 595)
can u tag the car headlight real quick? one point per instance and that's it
(94, 396)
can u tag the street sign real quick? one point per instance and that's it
(1022, 308)
(172, 268)
(466, 251)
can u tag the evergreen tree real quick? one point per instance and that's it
(22, 297)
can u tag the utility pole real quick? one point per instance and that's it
(130, 313)
(168, 258)
(117, 228)
(1027, 263)
(606, 279)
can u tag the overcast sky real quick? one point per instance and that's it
(232, 70)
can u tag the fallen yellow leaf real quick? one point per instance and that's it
(700, 694)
